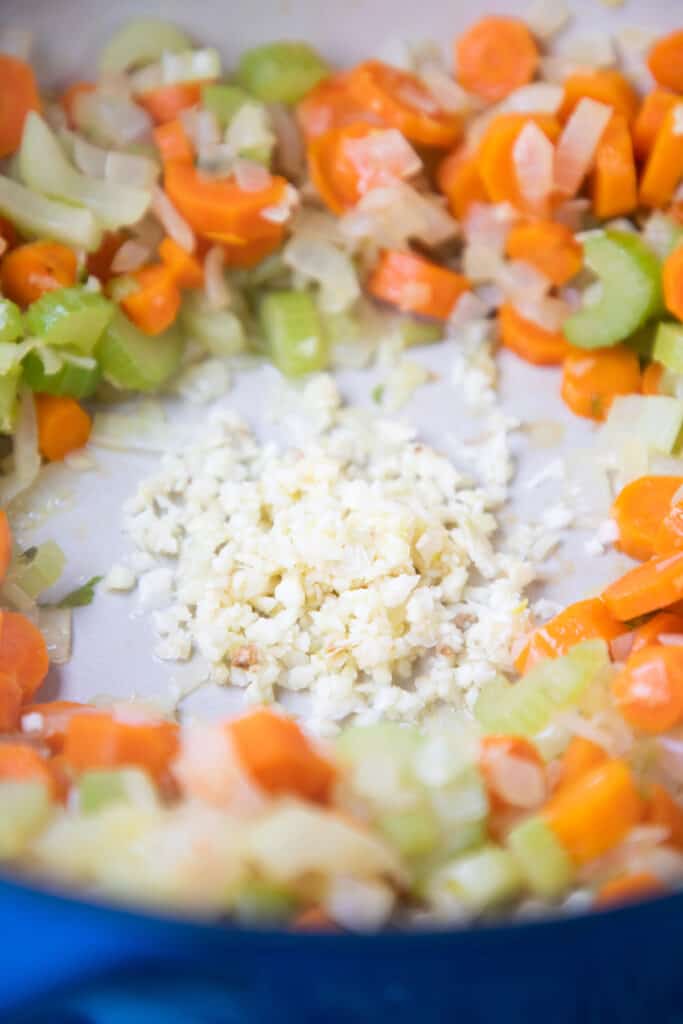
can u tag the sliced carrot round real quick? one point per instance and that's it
(665, 61)
(655, 584)
(63, 426)
(495, 56)
(330, 105)
(628, 889)
(530, 341)
(604, 86)
(250, 254)
(56, 715)
(673, 282)
(548, 246)
(458, 178)
(11, 699)
(648, 690)
(591, 380)
(416, 285)
(156, 303)
(660, 625)
(18, 96)
(638, 511)
(30, 270)
(614, 182)
(651, 116)
(663, 810)
(333, 172)
(581, 756)
(662, 172)
(495, 157)
(173, 142)
(99, 740)
(585, 620)
(166, 102)
(23, 652)
(669, 536)
(21, 763)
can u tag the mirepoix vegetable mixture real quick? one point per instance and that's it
(168, 210)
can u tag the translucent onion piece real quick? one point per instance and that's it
(172, 222)
(577, 144)
(533, 156)
(325, 264)
(382, 158)
(215, 286)
(26, 455)
(56, 626)
(130, 256)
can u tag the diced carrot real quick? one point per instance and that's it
(11, 698)
(165, 103)
(185, 268)
(638, 511)
(314, 920)
(592, 379)
(279, 758)
(593, 815)
(604, 86)
(21, 763)
(334, 174)
(585, 620)
(173, 142)
(5, 544)
(249, 254)
(665, 61)
(614, 183)
(495, 56)
(63, 426)
(662, 809)
(56, 715)
(628, 889)
(458, 178)
(648, 690)
(330, 105)
(23, 652)
(650, 118)
(673, 282)
(495, 749)
(98, 740)
(18, 96)
(655, 584)
(661, 624)
(664, 168)
(650, 382)
(669, 536)
(580, 757)
(495, 156)
(30, 270)
(99, 262)
(155, 305)
(69, 99)
(401, 100)
(530, 341)
(548, 246)
(416, 285)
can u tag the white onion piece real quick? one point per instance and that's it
(16, 42)
(450, 96)
(130, 256)
(620, 646)
(250, 176)
(290, 149)
(518, 782)
(92, 160)
(576, 147)
(469, 308)
(26, 455)
(175, 226)
(55, 625)
(593, 50)
(556, 70)
(382, 158)
(533, 157)
(670, 757)
(546, 17)
(111, 119)
(391, 215)
(250, 129)
(522, 282)
(534, 98)
(215, 285)
(546, 312)
(322, 262)
(131, 169)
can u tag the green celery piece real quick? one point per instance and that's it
(39, 217)
(656, 420)
(141, 42)
(545, 865)
(219, 330)
(413, 832)
(70, 316)
(260, 902)
(281, 72)
(11, 321)
(131, 360)
(9, 389)
(223, 101)
(668, 348)
(630, 275)
(293, 332)
(82, 596)
(485, 878)
(24, 810)
(73, 381)
(98, 789)
(419, 332)
(358, 742)
(37, 569)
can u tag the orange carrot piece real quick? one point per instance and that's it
(592, 379)
(401, 100)
(580, 757)
(56, 715)
(496, 160)
(648, 690)
(416, 285)
(593, 815)
(662, 809)
(173, 142)
(651, 380)
(494, 747)
(495, 56)
(333, 173)
(665, 61)
(650, 118)
(63, 426)
(23, 652)
(669, 536)
(21, 763)
(314, 920)
(18, 96)
(186, 269)
(98, 740)
(249, 254)
(585, 620)
(458, 178)
(165, 103)
(99, 262)
(530, 341)
(664, 168)
(638, 511)
(628, 889)
(30, 270)
(155, 305)
(548, 246)
(655, 584)
(661, 624)
(603, 86)
(614, 183)
(673, 282)
(330, 105)
(5, 544)
(69, 99)
(11, 699)
(279, 757)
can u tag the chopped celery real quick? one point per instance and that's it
(293, 332)
(413, 832)
(37, 569)
(219, 330)
(544, 864)
(281, 72)
(263, 902)
(484, 878)
(72, 380)
(133, 361)
(40, 217)
(70, 316)
(418, 332)
(140, 42)
(9, 389)
(98, 789)
(45, 169)
(223, 101)
(655, 420)
(527, 706)
(24, 810)
(381, 758)
(362, 741)
(631, 291)
(668, 348)
(11, 321)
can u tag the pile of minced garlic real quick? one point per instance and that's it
(359, 566)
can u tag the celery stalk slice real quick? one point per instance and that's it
(293, 333)
(546, 867)
(39, 217)
(281, 72)
(141, 42)
(668, 348)
(70, 316)
(132, 361)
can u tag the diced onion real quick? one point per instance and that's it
(592, 50)
(450, 96)
(130, 256)
(55, 625)
(175, 226)
(111, 119)
(546, 17)
(547, 312)
(519, 782)
(322, 262)
(578, 143)
(186, 66)
(215, 286)
(522, 282)
(382, 158)
(391, 215)
(250, 129)
(26, 456)
(533, 157)
(250, 176)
